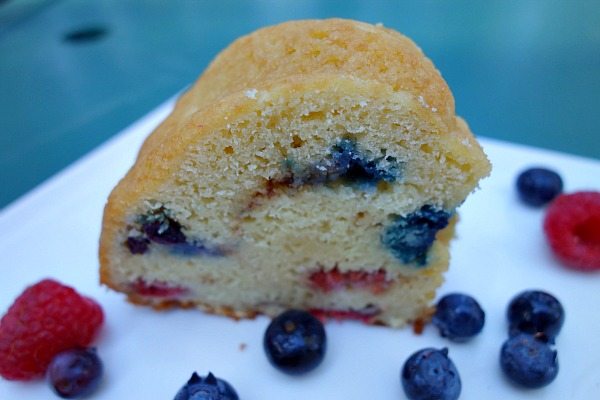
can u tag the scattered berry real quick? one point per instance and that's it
(528, 360)
(572, 226)
(533, 312)
(295, 342)
(458, 317)
(538, 186)
(75, 373)
(45, 319)
(209, 388)
(430, 374)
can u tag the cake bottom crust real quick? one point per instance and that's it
(418, 321)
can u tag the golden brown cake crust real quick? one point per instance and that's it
(336, 46)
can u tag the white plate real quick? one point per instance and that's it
(499, 251)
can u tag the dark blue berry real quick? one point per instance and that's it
(160, 228)
(164, 231)
(458, 317)
(295, 342)
(75, 373)
(538, 186)
(209, 388)
(534, 311)
(529, 360)
(409, 237)
(351, 165)
(430, 374)
(137, 244)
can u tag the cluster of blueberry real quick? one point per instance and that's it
(535, 319)
(295, 342)
(429, 373)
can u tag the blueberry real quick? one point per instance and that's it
(209, 388)
(409, 237)
(295, 342)
(346, 164)
(137, 244)
(538, 186)
(165, 231)
(352, 166)
(458, 317)
(534, 311)
(158, 226)
(430, 374)
(529, 360)
(75, 373)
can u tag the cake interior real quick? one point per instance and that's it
(340, 200)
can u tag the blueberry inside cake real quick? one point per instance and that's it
(315, 165)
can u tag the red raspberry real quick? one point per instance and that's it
(45, 319)
(572, 226)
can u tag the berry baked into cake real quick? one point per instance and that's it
(315, 165)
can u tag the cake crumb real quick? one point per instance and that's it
(419, 326)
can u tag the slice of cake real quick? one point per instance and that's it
(314, 165)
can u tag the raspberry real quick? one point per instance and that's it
(45, 319)
(572, 226)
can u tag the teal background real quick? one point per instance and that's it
(525, 71)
